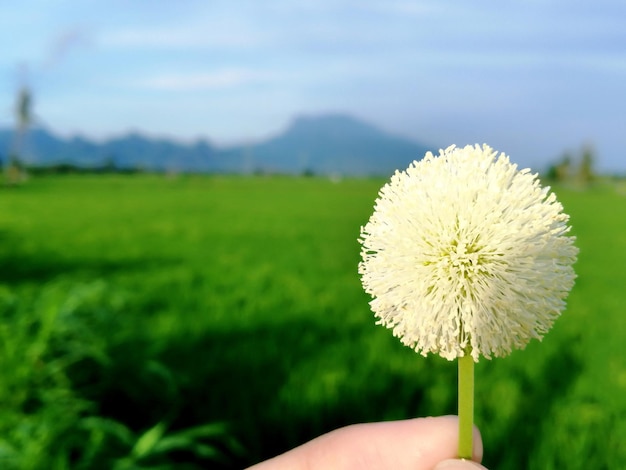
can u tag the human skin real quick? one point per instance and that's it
(414, 444)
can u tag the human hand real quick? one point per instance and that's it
(414, 444)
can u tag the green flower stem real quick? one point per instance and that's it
(466, 405)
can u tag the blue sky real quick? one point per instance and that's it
(530, 78)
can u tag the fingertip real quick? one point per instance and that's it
(458, 464)
(451, 422)
(478, 446)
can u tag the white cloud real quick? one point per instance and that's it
(224, 78)
(181, 37)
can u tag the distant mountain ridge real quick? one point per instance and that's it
(329, 144)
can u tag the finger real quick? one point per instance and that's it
(415, 444)
(457, 464)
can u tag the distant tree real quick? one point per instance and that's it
(563, 169)
(109, 165)
(578, 169)
(586, 172)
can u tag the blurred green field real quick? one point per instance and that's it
(213, 321)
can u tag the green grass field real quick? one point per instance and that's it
(212, 321)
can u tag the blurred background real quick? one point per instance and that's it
(534, 79)
(183, 186)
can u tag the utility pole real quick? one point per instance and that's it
(23, 120)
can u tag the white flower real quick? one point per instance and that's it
(464, 253)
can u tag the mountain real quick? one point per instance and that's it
(327, 144)
(42, 148)
(331, 144)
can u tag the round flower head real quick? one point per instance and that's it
(464, 253)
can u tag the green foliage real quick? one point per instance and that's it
(44, 421)
(155, 322)
(39, 408)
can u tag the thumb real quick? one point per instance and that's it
(455, 464)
